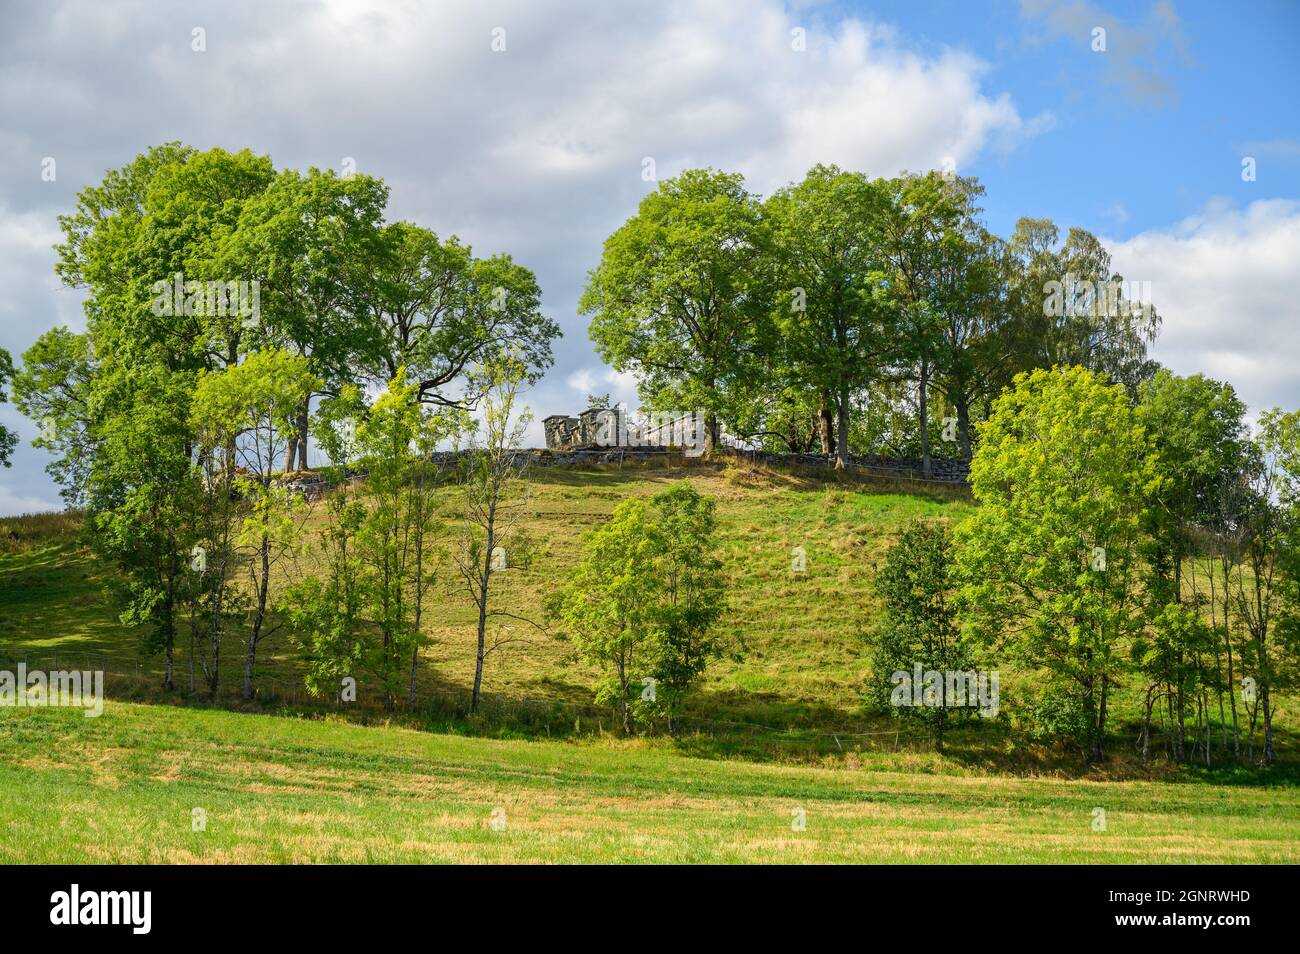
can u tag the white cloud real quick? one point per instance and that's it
(1224, 282)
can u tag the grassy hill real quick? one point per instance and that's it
(786, 727)
(796, 695)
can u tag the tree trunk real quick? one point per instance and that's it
(250, 657)
(923, 398)
(825, 424)
(259, 618)
(963, 426)
(710, 434)
(303, 418)
(484, 583)
(1232, 683)
(842, 429)
(169, 624)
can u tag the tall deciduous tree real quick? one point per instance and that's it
(306, 240)
(253, 409)
(140, 500)
(395, 540)
(1069, 308)
(1051, 561)
(680, 295)
(1198, 432)
(826, 238)
(945, 281)
(1265, 585)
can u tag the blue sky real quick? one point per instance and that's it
(537, 149)
(1119, 159)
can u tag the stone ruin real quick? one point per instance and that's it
(586, 431)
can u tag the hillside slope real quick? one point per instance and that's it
(796, 693)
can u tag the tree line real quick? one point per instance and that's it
(840, 311)
(1148, 543)
(1132, 529)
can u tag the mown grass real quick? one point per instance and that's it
(122, 788)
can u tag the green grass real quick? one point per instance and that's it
(784, 728)
(804, 665)
(122, 788)
(796, 695)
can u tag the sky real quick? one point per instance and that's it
(524, 126)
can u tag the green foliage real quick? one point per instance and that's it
(1050, 562)
(53, 388)
(609, 606)
(364, 614)
(693, 599)
(1069, 308)
(678, 297)
(8, 439)
(918, 624)
(325, 611)
(644, 602)
(440, 312)
(831, 269)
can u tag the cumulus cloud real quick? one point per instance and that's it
(1224, 282)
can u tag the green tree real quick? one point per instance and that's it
(440, 312)
(1068, 307)
(945, 280)
(1264, 587)
(610, 607)
(141, 494)
(645, 601)
(826, 238)
(918, 624)
(491, 478)
(54, 388)
(252, 409)
(8, 439)
(1050, 562)
(395, 540)
(680, 297)
(306, 240)
(692, 593)
(1198, 433)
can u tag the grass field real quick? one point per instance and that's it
(123, 787)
